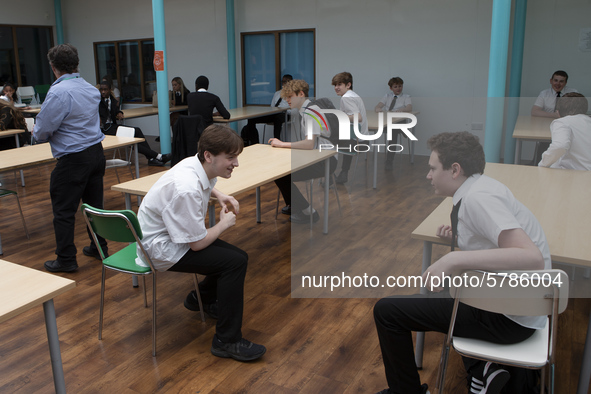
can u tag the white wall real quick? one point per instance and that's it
(440, 48)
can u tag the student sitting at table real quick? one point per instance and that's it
(179, 97)
(172, 218)
(201, 102)
(110, 113)
(250, 134)
(394, 101)
(12, 118)
(494, 232)
(296, 94)
(545, 105)
(571, 135)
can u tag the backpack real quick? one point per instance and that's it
(331, 120)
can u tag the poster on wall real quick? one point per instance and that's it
(585, 40)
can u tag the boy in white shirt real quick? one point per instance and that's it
(571, 135)
(351, 104)
(394, 101)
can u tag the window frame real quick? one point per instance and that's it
(140, 43)
(276, 34)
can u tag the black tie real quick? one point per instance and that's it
(557, 97)
(393, 103)
(278, 102)
(454, 224)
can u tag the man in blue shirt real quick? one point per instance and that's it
(69, 121)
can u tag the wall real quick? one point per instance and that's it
(440, 48)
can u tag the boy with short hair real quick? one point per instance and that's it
(571, 135)
(172, 218)
(545, 105)
(351, 104)
(296, 94)
(495, 232)
(394, 101)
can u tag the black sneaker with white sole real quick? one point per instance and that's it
(494, 379)
(243, 350)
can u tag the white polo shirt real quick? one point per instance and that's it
(571, 143)
(351, 103)
(172, 214)
(488, 207)
(402, 101)
(547, 98)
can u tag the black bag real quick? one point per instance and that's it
(250, 134)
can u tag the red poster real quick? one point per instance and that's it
(158, 60)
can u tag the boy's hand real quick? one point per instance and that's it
(227, 218)
(444, 232)
(277, 143)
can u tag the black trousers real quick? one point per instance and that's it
(291, 194)
(224, 266)
(76, 176)
(396, 318)
(276, 119)
(142, 147)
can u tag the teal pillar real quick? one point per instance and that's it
(497, 75)
(515, 79)
(59, 26)
(231, 38)
(161, 76)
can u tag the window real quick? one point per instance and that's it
(23, 55)
(130, 65)
(267, 56)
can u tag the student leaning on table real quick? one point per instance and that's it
(545, 105)
(172, 218)
(494, 232)
(571, 135)
(296, 94)
(69, 120)
(12, 118)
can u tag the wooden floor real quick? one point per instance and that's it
(320, 342)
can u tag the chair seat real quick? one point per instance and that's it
(124, 260)
(117, 163)
(532, 352)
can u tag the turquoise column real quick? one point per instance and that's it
(497, 74)
(231, 38)
(161, 76)
(515, 79)
(59, 27)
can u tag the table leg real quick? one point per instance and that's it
(127, 201)
(375, 166)
(517, 152)
(326, 190)
(427, 251)
(258, 198)
(585, 374)
(54, 347)
(137, 172)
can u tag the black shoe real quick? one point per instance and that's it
(389, 165)
(166, 158)
(286, 210)
(243, 350)
(56, 266)
(92, 252)
(192, 304)
(302, 218)
(155, 162)
(343, 177)
(494, 379)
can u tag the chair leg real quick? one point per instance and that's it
(196, 280)
(442, 368)
(277, 206)
(102, 306)
(153, 314)
(543, 381)
(22, 216)
(145, 295)
(311, 203)
(336, 193)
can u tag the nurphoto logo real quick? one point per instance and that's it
(348, 131)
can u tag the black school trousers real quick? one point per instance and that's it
(77, 176)
(224, 266)
(397, 317)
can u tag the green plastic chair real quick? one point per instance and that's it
(123, 226)
(4, 193)
(42, 92)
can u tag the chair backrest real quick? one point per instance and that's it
(26, 93)
(119, 226)
(125, 131)
(42, 92)
(520, 293)
(30, 124)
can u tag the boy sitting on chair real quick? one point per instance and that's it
(172, 218)
(494, 232)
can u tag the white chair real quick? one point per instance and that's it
(122, 131)
(26, 94)
(524, 293)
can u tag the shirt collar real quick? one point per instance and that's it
(304, 106)
(202, 90)
(66, 76)
(204, 182)
(463, 189)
